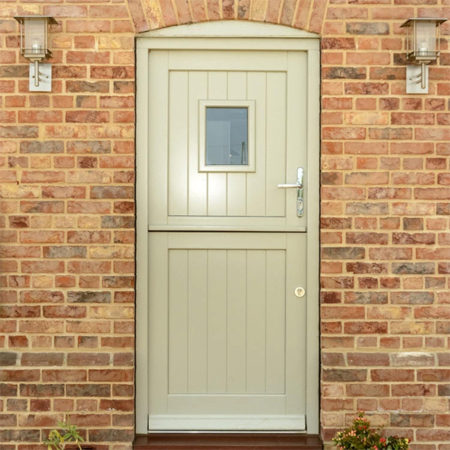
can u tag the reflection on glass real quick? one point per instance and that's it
(226, 136)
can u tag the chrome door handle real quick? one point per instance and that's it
(285, 186)
(300, 204)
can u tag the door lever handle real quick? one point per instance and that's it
(300, 206)
(286, 186)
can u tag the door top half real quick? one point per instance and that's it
(227, 127)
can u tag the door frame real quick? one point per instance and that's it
(228, 35)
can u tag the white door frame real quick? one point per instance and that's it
(228, 35)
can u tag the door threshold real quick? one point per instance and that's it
(227, 441)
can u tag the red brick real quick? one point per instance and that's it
(366, 238)
(365, 327)
(88, 207)
(118, 405)
(64, 375)
(343, 193)
(42, 266)
(89, 267)
(386, 73)
(392, 375)
(412, 118)
(368, 359)
(87, 86)
(370, 390)
(39, 420)
(114, 375)
(89, 237)
(410, 390)
(339, 312)
(88, 359)
(363, 178)
(64, 311)
(87, 57)
(386, 133)
(65, 11)
(41, 176)
(88, 390)
(40, 296)
(369, 208)
(87, 116)
(437, 312)
(391, 312)
(107, 11)
(42, 359)
(117, 102)
(40, 116)
(120, 72)
(96, 327)
(413, 238)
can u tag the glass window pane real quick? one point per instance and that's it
(226, 136)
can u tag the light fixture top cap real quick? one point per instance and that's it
(438, 20)
(51, 20)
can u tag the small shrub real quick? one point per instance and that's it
(57, 439)
(361, 437)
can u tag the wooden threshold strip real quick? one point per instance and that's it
(227, 441)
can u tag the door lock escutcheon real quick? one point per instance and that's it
(300, 204)
(299, 292)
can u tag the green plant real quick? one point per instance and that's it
(57, 439)
(359, 436)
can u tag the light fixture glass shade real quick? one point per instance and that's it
(422, 42)
(35, 34)
(425, 40)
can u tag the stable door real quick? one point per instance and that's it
(227, 239)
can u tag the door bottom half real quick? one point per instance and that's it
(227, 333)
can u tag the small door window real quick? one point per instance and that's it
(226, 136)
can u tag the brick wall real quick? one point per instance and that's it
(67, 228)
(67, 223)
(385, 226)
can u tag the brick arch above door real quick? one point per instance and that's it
(152, 14)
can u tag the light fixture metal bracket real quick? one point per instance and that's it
(44, 81)
(417, 79)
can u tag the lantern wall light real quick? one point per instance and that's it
(34, 46)
(422, 48)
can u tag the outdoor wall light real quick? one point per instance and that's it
(34, 46)
(422, 48)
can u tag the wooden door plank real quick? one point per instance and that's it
(178, 321)
(236, 320)
(276, 143)
(217, 321)
(158, 329)
(197, 319)
(158, 132)
(256, 188)
(276, 322)
(256, 321)
(178, 143)
(198, 85)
